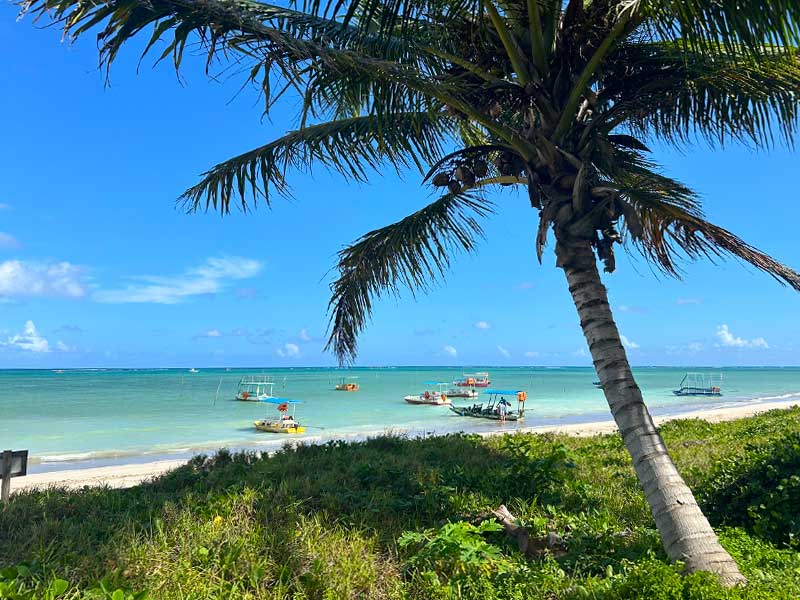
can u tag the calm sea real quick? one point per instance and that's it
(92, 417)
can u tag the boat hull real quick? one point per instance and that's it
(462, 394)
(430, 401)
(276, 427)
(477, 384)
(697, 393)
(468, 411)
(347, 387)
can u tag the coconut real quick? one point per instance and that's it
(441, 179)
(495, 110)
(464, 175)
(480, 169)
(454, 187)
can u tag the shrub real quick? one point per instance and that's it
(759, 490)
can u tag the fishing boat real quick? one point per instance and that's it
(462, 392)
(347, 386)
(286, 423)
(436, 398)
(255, 388)
(193, 370)
(493, 408)
(480, 380)
(699, 384)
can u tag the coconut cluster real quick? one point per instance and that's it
(464, 174)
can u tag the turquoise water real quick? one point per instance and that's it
(86, 415)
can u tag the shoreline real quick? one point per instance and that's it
(131, 474)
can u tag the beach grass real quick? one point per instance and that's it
(401, 518)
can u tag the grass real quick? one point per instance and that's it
(398, 518)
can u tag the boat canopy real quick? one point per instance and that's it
(280, 401)
(509, 392)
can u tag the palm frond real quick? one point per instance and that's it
(676, 93)
(413, 253)
(352, 147)
(729, 24)
(665, 223)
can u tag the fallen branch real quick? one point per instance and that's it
(531, 547)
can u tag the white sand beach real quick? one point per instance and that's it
(128, 475)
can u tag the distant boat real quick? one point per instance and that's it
(436, 398)
(193, 370)
(698, 384)
(462, 392)
(255, 388)
(58, 370)
(347, 386)
(480, 380)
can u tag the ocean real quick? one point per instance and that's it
(94, 417)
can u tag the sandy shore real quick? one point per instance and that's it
(120, 476)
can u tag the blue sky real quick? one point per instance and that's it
(98, 267)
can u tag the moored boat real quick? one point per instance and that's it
(698, 384)
(498, 408)
(286, 423)
(254, 388)
(436, 398)
(462, 392)
(479, 380)
(347, 386)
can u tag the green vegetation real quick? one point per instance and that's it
(398, 518)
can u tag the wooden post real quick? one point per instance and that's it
(5, 472)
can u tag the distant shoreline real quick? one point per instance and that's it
(131, 474)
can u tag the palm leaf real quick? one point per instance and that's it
(351, 147)
(665, 223)
(413, 253)
(675, 93)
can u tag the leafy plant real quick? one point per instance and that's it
(455, 551)
(760, 490)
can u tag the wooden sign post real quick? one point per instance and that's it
(13, 464)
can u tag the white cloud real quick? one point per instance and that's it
(530, 354)
(629, 344)
(482, 325)
(62, 347)
(727, 339)
(695, 347)
(289, 350)
(624, 308)
(211, 333)
(684, 301)
(304, 336)
(580, 352)
(29, 340)
(450, 350)
(21, 279)
(8, 241)
(211, 277)
(503, 351)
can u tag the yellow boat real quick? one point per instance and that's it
(347, 386)
(286, 423)
(283, 426)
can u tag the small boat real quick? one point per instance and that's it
(193, 370)
(255, 388)
(436, 398)
(493, 409)
(286, 423)
(698, 384)
(462, 393)
(347, 386)
(597, 384)
(480, 380)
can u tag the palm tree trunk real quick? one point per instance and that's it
(685, 532)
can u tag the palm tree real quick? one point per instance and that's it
(557, 97)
